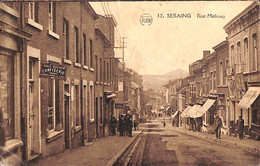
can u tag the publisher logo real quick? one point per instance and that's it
(146, 19)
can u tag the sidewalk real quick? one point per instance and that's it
(246, 144)
(103, 151)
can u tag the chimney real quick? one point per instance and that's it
(205, 53)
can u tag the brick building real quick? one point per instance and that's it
(243, 76)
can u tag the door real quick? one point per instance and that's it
(97, 126)
(67, 120)
(33, 115)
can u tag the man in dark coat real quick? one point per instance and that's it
(121, 125)
(129, 124)
(218, 125)
(240, 127)
(113, 123)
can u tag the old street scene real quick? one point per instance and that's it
(129, 83)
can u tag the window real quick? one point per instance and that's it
(211, 81)
(232, 55)
(53, 104)
(226, 68)
(107, 73)
(77, 104)
(96, 60)
(7, 92)
(214, 81)
(100, 70)
(77, 45)
(220, 73)
(254, 55)
(84, 50)
(101, 111)
(246, 55)
(33, 11)
(91, 53)
(239, 60)
(104, 73)
(52, 16)
(66, 38)
(91, 100)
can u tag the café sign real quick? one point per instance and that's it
(53, 71)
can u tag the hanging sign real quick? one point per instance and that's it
(53, 71)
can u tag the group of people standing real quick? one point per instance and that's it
(124, 125)
(239, 127)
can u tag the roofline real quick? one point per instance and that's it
(255, 3)
(220, 44)
(92, 11)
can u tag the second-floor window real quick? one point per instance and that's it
(91, 53)
(66, 38)
(239, 58)
(52, 16)
(246, 55)
(77, 45)
(33, 11)
(220, 73)
(254, 55)
(84, 49)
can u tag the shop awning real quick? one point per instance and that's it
(168, 108)
(193, 111)
(173, 116)
(249, 98)
(206, 106)
(184, 113)
(111, 95)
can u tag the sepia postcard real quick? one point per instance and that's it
(129, 83)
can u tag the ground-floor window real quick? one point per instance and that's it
(53, 104)
(7, 90)
(256, 111)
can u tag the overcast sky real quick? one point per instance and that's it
(169, 43)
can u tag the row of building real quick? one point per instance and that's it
(225, 82)
(60, 82)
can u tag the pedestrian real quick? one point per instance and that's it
(240, 127)
(218, 125)
(121, 125)
(164, 124)
(173, 123)
(129, 124)
(113, 123)
(135, 124)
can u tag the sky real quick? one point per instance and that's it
(169, 43)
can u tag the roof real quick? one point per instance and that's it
(255, 3)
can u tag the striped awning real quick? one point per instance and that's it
(249, 98)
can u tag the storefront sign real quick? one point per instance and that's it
(54, 71)
(119, 106)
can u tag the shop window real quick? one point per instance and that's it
(91, 100)
(77, 103)
(53, 105)
(7, 94)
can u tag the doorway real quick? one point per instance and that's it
(97, 126)
(67, 119)
(33, 115)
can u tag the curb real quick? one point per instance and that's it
(248, 149)
(112, 161)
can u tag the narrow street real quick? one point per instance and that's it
(168, 146)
